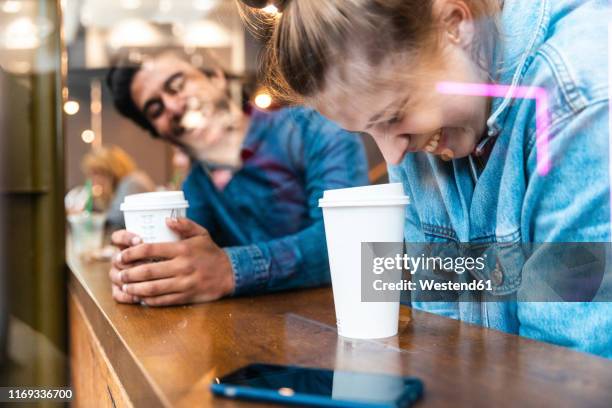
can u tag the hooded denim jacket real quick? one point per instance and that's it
(560, 46)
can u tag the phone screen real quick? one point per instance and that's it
(293, 381)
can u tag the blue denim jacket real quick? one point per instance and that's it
(559, 45)
(267, 217)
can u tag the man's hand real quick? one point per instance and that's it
(192, 270)
(122, 239)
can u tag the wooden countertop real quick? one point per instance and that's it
(169, 356)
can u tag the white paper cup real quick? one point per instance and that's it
(352, 216)
(145, 214)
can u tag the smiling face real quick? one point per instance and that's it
(411, 115)
(186, 107)
(396, 101)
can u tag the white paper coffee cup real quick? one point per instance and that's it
(145, 214)
(352, 216)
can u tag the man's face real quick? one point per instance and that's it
(168, 90)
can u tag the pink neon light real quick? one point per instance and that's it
(521, 92)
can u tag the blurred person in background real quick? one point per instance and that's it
(253, 189)
(113, 175)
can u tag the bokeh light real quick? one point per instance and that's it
(263, 100)
(88, 136)
(271, 9)
(11, 7)
(97, 190)
(71, 107)
(130, 4)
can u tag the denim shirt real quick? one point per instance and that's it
(558, 45)
(267, 217)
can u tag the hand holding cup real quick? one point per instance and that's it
(192, 270)
(122, 239)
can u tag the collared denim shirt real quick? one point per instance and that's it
(561, 46)
(267, 217)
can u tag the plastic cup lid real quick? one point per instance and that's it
(384, 202)
(365, 192)
(376, 195)
(158, 200)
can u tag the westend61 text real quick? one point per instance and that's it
(430, 284)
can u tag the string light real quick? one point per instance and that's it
(263, 100)
(71, 107)
(88, 136)
(96, 107)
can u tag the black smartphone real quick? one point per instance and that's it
(318, 387)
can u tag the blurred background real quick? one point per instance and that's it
(100, 32)
(55, 108)
(207, 32)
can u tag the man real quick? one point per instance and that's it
(253, 189)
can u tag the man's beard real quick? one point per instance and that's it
(216, 139)
(225, 152)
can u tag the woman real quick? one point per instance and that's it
(477, 169)
(113, 175)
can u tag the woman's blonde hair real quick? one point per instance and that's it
(312, 36)
(112, 161)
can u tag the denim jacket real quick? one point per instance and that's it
(267, 217)
(558, 45)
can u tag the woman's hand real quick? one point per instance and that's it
(192, 270)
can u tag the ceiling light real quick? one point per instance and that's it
(134, 33)
(11, 7)
(204, 5)
(25, 33)
(21, 34)
(165, 6)
(206, 34)
(130, 4)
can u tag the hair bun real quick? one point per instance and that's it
(259, 4)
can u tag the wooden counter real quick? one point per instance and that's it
(132, 355)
